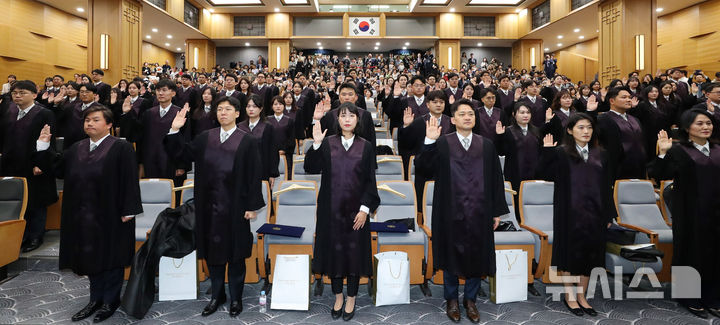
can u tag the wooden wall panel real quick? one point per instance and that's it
(588, 48)
(559, 9)
(441, 53)
(450, 25)
(690, 38)
(222, 26)
(37, 41)
(521, 53)
(576, 67)
(282, 60)
(277, 25)
(154, 54)
(176, 9)
(506, 26)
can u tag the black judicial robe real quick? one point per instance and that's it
(580, 104)
(348, 182)
(469, 193)
(73, 124)
(653, 120)
(266, 93)
(183, 96)
(537, 109)
(582, 207)
(269, 159)
(304, 116)
(396, 109)
(458, 93)
(227, 184)
(202, 121)
(18, 152)
(558, 123)
(138, 107)
(485, 124)
(239, 96)
(101, 187)
(103, 91)
(61, 112)
(330, 123)
(284, 138)
(506, 101)
(695, 210)
(624, 143)
(522, 153)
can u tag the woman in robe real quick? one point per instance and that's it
(205, 116)
(562, 108)
(228, 191)
(348, 193)
(694, 166)
(654, 117)
(257, 126)
(582, 206)
(283, 131)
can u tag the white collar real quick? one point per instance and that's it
(453, 89)
(186, 88)
(532, 98)
(460, 137)
(252, 125)
(505, 91)
(99, 141)
(165, 108)
(699, 147)
(623, 115)
(565, 111)
(229, 132)
(133, 99)
(524, 128)
(207, 108)
(580, 149)
(261, 86)
(229, 92)
(488, 110)
(72, 99)
(278, 117)
(349, 142)
(97, 83)
(419, 99)
(27, 110)
(84, 106)
(667, 97)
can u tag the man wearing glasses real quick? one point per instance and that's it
(22, 125)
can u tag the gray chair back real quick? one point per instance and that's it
(536, 204)
(394, 206)
(263, 215)
(511, 206)
(297, 207)
(156, 195)
(298, 170)
(637, 206)
(13, 198)
(428, 194)
(189, 193)
(390, 168)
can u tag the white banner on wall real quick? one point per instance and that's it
(364, 26)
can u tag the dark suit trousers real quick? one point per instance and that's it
(106, 285)
(236, 280)
(452, 284)
(353, 283)
(35, 226)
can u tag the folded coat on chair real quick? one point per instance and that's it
(172, 235)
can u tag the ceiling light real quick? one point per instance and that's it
(560, 36)
(169, 36)
(376, 47)
(147, 36)
(479, 44)
(154, 30)
(559, 44)
(597, 30)
(211, 10)
(247, 44)
(348, 48)
(581, 37)
(404, 47)
(452, 9)
(318, 44)
(407, 43)
(577, 30)
(394, 10)
(179, 49)
(518, 10)
(321, 48)
(80, 9)
(547, 49)
(377, 44)
(277, 9)
(348, 44)
(167, 44)
(658, 9)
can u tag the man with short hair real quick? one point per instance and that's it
(537, 104)
(453, 88)
(186, 94)
(621, 135)
(103, 89)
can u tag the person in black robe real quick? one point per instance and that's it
(583, 206)
(694, 166)
(557, 116)
(538, 105)
(137, 103)
(653, 117)
(284, 132)
(73, 120)
(348, 193)
(148, 130)
(488, 115)
(228, 192)
(204, 116)
(258, 127)
(453, 89)
(412, 135)
(621, 135)
(551, 91)
(187, 94)
(520, 144)
(398, 103)
(468, 201)
(291, 107)
(102, 196)
(329, 121)
(506, 96)
(305, 103)
(231, 81)
(582, 99)
(469, 94)
(265, 91)
(103, 89)
(64, 109)
(21, 126)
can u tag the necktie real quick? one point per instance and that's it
(21, 114)
(624, 116)
(207, 109)
(489, 112)
(418, 101)
(93, 147)
(524, 132)
(345, 144)
(84, 107)
(466, 143)
(223, 137)
(278, 118)
(252, 126)
(584, 154)
(162, 112)
(705, 151)
(532, 100)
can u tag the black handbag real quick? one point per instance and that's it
(647, 254)
(506, 226)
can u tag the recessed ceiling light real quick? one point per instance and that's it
(247, 44)
(394, 10)
(559, 44)
(154, 30)
(167, 44)
(377, 43)
(321, 48)
(547, 49)
(211, 10)
(452, 9)
(147, 36)
(581, 37)
(577, 30)
(479, 44)
(348, 44)
(518, 10)
(659, 9)
(348, 48)
(407, 43)
(597, 30)
(318, 44)
(560, 36)
(179, 49)
(80, 9)
(169, 36)
(277, 9)
(404, 47)
(376, 47)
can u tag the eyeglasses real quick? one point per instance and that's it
(20, 93)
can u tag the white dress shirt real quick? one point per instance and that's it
(623, 115)
(25, 111)
(565, 111)
(229, 92)
(252, 125)
(226, 134)
(580, 151)
(460, 137)
(532, 98)
(419, 100)
(278, 117)
(164, 110)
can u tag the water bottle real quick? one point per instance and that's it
(262, 302)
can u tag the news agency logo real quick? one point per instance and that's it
(685, 284)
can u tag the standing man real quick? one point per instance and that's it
(453, 90)
(22, 125)
(622, 136)
(468, 201)
(103, 88)
(187, 94)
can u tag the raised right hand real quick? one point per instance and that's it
(664, 143)
(451, 99)
(318, 133)
(432, 129)
(126, 107)
(518, 93)
(710, 106)
(499, 128)
(45, 134)
(397, 90)
(179, 120)
(548, 141)
(408, 117)
(549, 114)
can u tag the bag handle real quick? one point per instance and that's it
(391, 272)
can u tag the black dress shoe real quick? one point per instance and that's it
(213, 305)
(87, 311)
(575, 311)
(348, 316)
(590, 311)
(32, 245)
(105, 312)
(337, 313)
(453, 310)
(698, 311)
(235, 308)
(714, 311)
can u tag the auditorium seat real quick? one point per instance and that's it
(295, 205)
(255, 266)
(397, 201)
(298, 170)
(156, 195)
(306, 146)
(637, 209)
(521, 239)
(188, 193)
(282, 163)
(411, 167)
(663, 204)
(536, 216)
(13, 203)
(390, 168)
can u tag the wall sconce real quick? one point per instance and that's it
(196, 56)
(532, 57)
(639, 52)
(277, 57)
(104, 49)
(450, 57)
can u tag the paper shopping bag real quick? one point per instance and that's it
(391, 278)
(510, 280)
(291, 283)
(178, 278)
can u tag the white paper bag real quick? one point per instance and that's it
(510, 281)
(391, 278)
(291, 283)
(178, 278)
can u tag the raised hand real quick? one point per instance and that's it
(624, 81)
(432, 129)
(549, 114)
(113, 97)
(318, 133)
(548, 141)
(45, 134)
(499, 128)
(179, 120)
(408, 117)
(397, 89)
(634, 101)
(126, 106)
(710, 106)
(97, 98)
(187, 106)
(451, 99)
(664, 143)
(694, 88)
(592, 104)
(45, 95)
(518, 93)
(319, 111)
